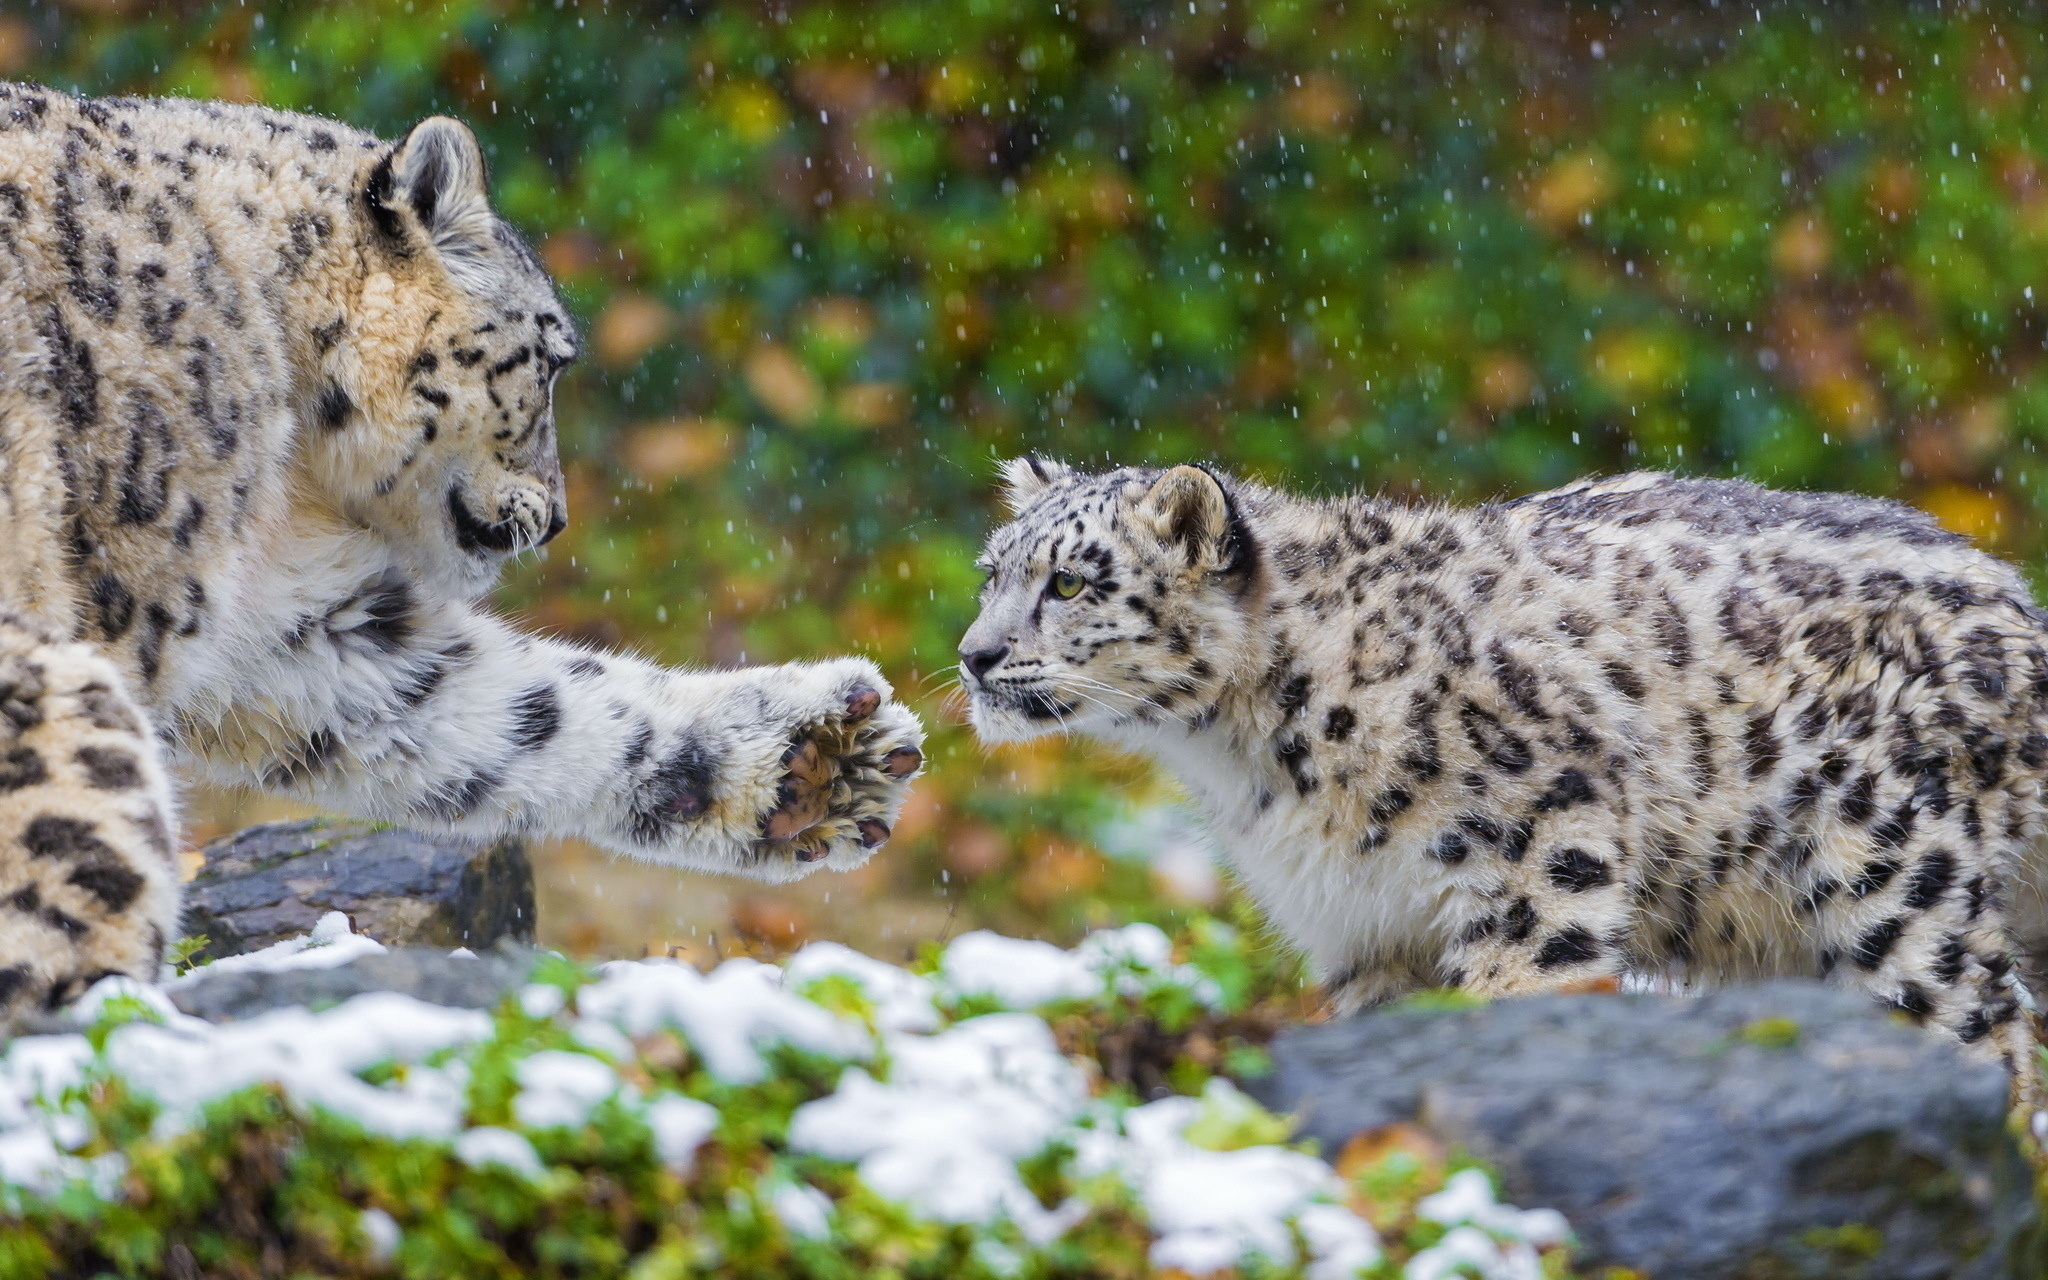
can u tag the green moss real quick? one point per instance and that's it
(1850, 1242)
(1441, 1000)
(1770, 1033)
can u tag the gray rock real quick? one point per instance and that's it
(462, 982)
(402, 888)
(1784, 1130)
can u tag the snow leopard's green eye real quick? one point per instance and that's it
(1067, 585)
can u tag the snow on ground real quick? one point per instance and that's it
(1021, 973)
(959, 1110)
(934, 1111)
(1212, 1208)
(329, 946)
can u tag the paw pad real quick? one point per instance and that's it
(862, 702)
(843, 776)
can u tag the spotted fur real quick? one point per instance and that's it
(1643, 725)
(275, 407)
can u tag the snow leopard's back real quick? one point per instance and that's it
(149, 370)
(1882, 681)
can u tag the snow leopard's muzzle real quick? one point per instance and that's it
(511, 504)
(1013, 688)
(526, 518)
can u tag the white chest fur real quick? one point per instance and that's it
(1337, 905)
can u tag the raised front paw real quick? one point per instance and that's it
(847, 766)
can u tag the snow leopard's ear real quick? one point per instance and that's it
(436, 174)
(1025, 478)
(1191, 510)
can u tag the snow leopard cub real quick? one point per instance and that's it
(1643, 724)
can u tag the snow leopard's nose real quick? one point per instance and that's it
(979, 662)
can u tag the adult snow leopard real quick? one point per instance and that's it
(1648, 724)
(275, 406)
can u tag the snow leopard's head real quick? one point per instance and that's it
(1113, 601)
(436, 413)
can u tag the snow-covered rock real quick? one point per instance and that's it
(330, 945)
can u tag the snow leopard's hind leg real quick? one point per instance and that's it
(2027, 914)
(88, 877)
(1933, 923)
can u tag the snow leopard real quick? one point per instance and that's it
(276, 407)
(1693, 729)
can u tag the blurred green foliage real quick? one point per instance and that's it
(837, 258)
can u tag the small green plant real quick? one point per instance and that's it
(1441, 1000)
(183, 954)
(1230, 1121)
(1770, 1033)
(1850, 1242)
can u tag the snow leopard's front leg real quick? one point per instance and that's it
(442, 717)
(1547, 903)
(88, 881)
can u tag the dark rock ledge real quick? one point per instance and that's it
(1761, 1133)
(275, 881)
(419, 895)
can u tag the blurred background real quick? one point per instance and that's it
(833, 260)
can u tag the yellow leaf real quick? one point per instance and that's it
(840, 322)
(951, 87)
(1634, 365)
(1322, 104)
(753, 111)
(1802, 246)
(1502, 380)
(630, 326)
(660, 452)
(1672, 136)
(871, 404)
(1846, 400)
(1570, 189)
(17, 46)
(782, 384)
(1973, 513)
(1369, 1147)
